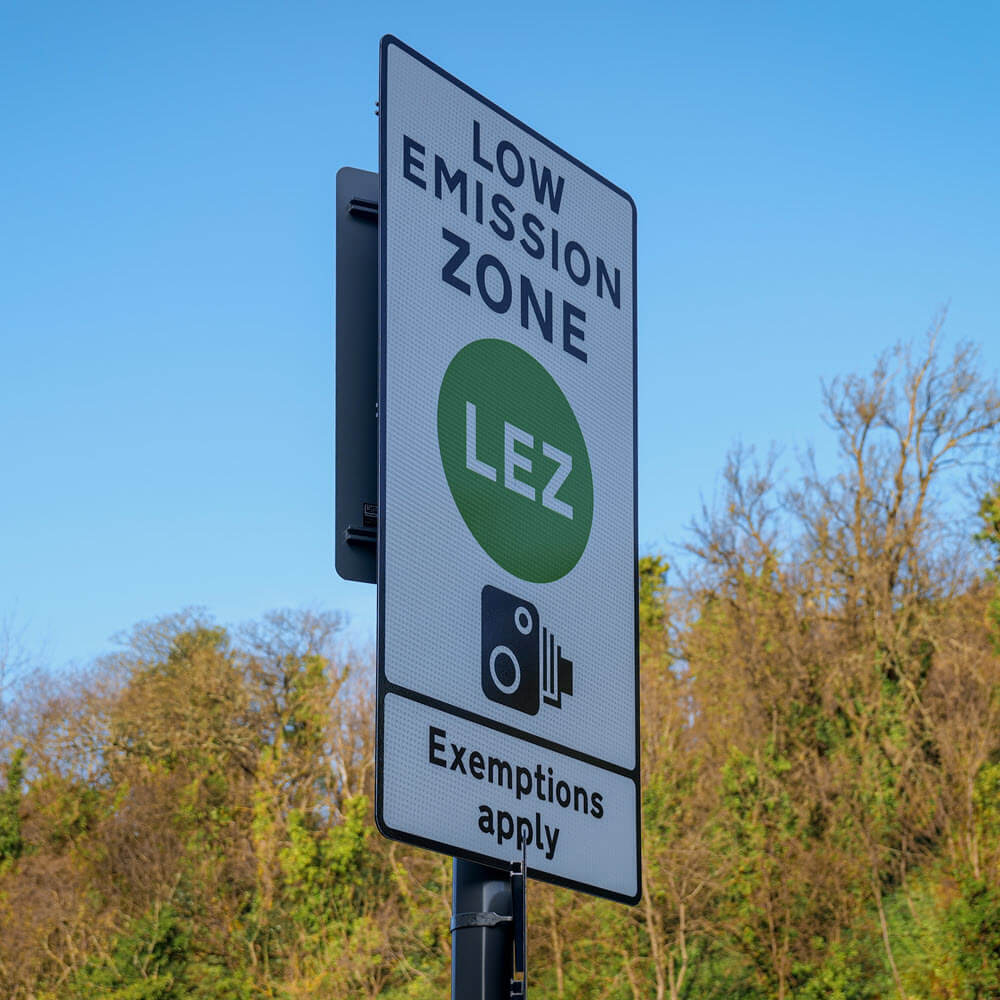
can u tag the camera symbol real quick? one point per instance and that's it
(521, 663)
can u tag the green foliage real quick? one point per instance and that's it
(652, 583)
(156, 958)
(948, 933)
(972, 923)
(328, 872)
(989, 513)
(652, 607)
(986, 805)
(847, 970)
(69, 809)
(11, 841)
(989, 534)
(146, 962)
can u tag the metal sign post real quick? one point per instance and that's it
(489, 932)
(481, 932)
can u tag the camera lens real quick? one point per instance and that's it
(507, 666)
(522, 620)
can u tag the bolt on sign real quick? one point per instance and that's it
(508, 670)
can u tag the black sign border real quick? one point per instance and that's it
(383, 685)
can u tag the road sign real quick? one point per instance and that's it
(508, 680)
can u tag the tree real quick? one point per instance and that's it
(817, 656)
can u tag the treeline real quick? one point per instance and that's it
(820, 752)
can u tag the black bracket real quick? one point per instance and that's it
(363, 209)
(518, 899)
(460, 920)
(360, 536)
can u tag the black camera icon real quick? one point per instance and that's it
(521, 662)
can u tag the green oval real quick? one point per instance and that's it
(515, 460)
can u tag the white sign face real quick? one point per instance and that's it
(508, 680)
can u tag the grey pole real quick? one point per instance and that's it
(481, 932)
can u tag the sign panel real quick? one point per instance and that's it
(508, 681)
(356, 507)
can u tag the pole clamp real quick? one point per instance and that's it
(459, 921)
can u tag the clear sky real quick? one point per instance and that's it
(813, 181)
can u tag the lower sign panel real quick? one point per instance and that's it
(484, 794)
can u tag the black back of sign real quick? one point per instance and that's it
(356, 513)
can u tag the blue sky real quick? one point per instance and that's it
(813, 182)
